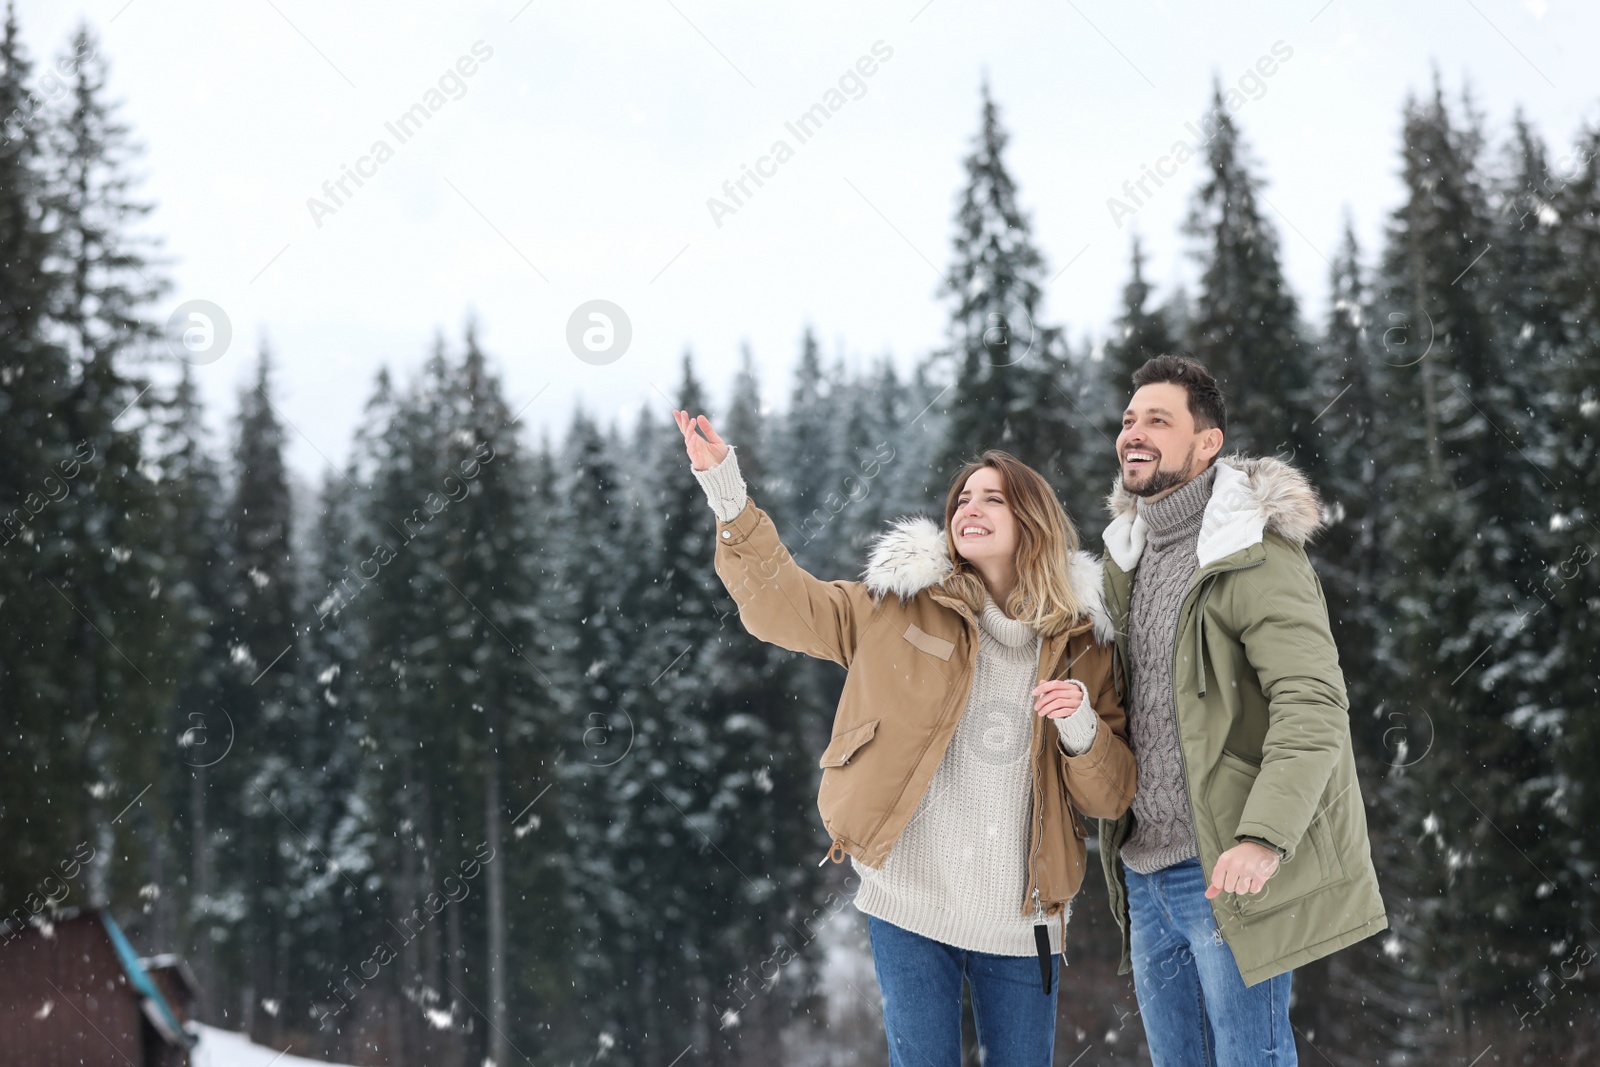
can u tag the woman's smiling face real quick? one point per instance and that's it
(983, 526)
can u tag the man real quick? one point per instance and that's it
(1245, 852)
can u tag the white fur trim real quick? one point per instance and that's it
(907, 559)
(912, 556)
(1250, 496)
(1087, 573)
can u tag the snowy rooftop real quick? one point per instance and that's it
(224, 1048)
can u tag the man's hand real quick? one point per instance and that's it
(705, 448)
(1244, 868)
(1057, 699)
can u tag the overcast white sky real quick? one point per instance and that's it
(577, 162)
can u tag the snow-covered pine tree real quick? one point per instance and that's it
(1006, 367)
(548, 942)
(1141, 332)
(1415, 502)
(688, 825)
(749, 425)
(329, 899)
(406, 664)
(683, 841)
(247, 789)
(44, 809)
(196, 579)
(1357, 998)
(357, 659)
(107, 268)
(917, 479)
(1570, 581)
(613, 877)
(887, 409)
(106, 282)
(800, 474)
(591, 642)
(1247, 327)
(265, 612)
(1528, 264)
(766, 783)
(1461, 530)
(860, 501)
(1347, 557)
(496, 690)
(1532, 325)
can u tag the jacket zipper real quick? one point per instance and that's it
(1038, 840)
(1183, 761)
(1124, 658)
(1038, 821)
(1041, 921)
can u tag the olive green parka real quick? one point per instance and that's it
(1263, 720)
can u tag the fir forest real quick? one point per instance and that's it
(405, 782)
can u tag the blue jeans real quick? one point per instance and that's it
(920, 979)
(1196, 1008)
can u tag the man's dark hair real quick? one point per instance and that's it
(1206, 405)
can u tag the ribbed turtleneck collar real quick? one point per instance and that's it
(1013, 633)
(1178, 514)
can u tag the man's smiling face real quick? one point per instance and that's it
(1160, 447)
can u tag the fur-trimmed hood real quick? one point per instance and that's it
(1250, 496)
(911, 556)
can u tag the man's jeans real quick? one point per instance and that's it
(921, 984)
(1196, 1009)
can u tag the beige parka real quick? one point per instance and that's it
(910, 651)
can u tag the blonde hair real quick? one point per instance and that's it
(1043, 597)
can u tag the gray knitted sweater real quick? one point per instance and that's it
(1163, 831)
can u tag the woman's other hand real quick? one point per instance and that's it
(1058, 698)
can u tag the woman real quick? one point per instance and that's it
(957, 807)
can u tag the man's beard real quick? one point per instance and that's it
(1162, 480)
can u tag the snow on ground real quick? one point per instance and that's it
(224, 1048)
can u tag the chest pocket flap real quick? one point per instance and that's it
(933, 646)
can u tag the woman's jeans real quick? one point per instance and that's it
(921, 984)
(1197, 1011)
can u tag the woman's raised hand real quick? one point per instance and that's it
(706, 449)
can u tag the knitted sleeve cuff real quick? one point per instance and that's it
(1079, 729)
(724, 487)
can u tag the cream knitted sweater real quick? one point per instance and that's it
(958, 873)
